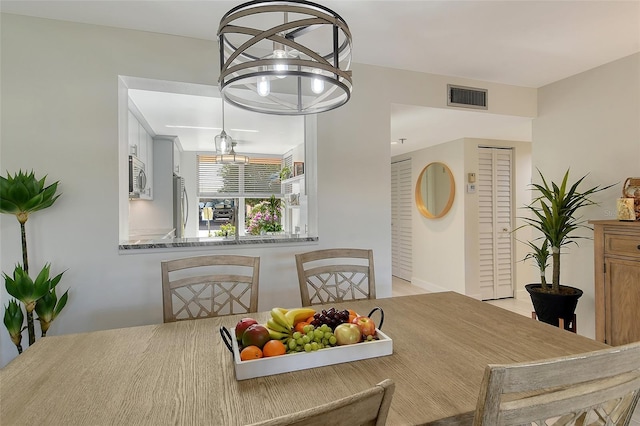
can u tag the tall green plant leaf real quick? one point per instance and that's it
(13, 320)
(23, 288)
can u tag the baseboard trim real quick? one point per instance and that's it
(432, 288)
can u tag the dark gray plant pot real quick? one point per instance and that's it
(551, 307)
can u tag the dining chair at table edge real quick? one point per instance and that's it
(603, 385)
(342, 274)
(366, 408)
(222, 285)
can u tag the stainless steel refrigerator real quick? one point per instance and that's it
(180, 206)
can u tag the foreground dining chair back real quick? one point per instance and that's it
(594, 388)
(208, 286)
(334, 275)
(369, 407)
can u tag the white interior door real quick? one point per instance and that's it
(401, 211)
(494, 182)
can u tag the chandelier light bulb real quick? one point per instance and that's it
(317, 84)
(224, 142)
(280, 68)
(264, 86)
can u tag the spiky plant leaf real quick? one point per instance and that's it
(13, 320)
(48, 307)
(61, 304)
(23, 288)
(541, 257)
(23, 194)
(554, 214)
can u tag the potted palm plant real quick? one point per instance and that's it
(21, 195)
(554, 213)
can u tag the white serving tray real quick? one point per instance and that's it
(304, 360)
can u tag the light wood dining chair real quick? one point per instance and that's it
(208, 286)
(369, 407)
(334, 275)
(594, 388)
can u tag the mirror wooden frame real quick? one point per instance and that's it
(420, 202)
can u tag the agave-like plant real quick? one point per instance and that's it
(30, 292)
(48, 307)
(13, 320)
(23, 194)
(555, 212)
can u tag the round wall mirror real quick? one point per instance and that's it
(435, 190)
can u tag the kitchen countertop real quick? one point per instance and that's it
(137, 244)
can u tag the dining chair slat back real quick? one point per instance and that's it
(209, 286)
(594, 388)
(368, 408)
(334, 275)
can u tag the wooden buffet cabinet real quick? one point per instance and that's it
(617, 281)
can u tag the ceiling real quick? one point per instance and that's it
(523, 43)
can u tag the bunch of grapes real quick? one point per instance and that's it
(332, 318)
(311, 339)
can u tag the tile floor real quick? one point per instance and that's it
(401, 287)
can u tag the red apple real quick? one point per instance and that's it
(346, 334)
(242, 325)
(256, 335)
(366, 325)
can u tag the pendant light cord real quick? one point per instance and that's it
(222, 99)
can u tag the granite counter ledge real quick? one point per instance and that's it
(207, 242)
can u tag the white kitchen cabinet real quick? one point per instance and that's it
(141, 145)
(176, 157)
(149, 165)
(143, 148)
(134, 134)
(295, 210)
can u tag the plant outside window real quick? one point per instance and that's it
(265, 217)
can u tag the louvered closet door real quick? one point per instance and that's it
(401, 210)
(495, 174)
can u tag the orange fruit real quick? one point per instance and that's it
(299, 326)
(250, 352)
(308, 320)
(352, 312)
(351, 318)
(274, 348)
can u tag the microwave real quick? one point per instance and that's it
(137, 177)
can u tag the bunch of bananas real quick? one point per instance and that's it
(282, 321)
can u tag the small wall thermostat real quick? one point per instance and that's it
(471, 178)
(471, 188)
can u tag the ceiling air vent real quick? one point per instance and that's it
(466, 97)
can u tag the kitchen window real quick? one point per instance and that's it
(248, 185)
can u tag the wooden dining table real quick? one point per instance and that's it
(181, 373)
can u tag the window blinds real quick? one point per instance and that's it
(259, 178)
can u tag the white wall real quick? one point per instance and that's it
(438, 244)
(60, 118)
(591, 123)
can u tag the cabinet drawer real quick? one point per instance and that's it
(622, 245)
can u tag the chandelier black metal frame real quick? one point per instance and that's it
(284, 57)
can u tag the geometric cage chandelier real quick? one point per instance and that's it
(284, 57)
